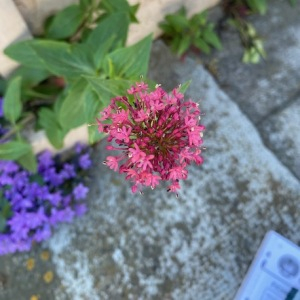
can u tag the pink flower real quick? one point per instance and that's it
(112, 162)
(158, 133)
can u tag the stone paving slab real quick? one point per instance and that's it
(281, 133)
(196, 247)
(269, 86)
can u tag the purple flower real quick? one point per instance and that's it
(6, 179)
(58, 216)
(42, 200)
(68, 171)
(80, 209)
(37, 219)
(21, 180)
(79, 148)
(85, 161)
(8, 167)
(18, 225)
(54, 198)
(43, 233)
(45, 160)
(7, 245)
(80, 192)
(23, 245)
(53, 177)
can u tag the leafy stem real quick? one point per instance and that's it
(16, 129)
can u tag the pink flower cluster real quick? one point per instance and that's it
(158, 135)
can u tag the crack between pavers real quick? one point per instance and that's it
(284, 164)
(294, 98)
(278, 109)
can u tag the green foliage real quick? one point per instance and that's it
(63, 59)
(110, 34)
(13, 150)
(23, 53)
(12, 106)
(107, 89)
(12, 109)
(28, 161)
(72, 111)
(30, 76)
(129, 62)
(48, 120)
(112, 6)
(71, 73)
(257, 6)
(65, 23)
(253, 44)
(182, 33)
(184, 86)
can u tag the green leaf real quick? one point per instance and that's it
(92, 106)
(65, 23)
(30, 76)
(175, 42)
(199, 19)
(115, 25)
(113, 6)
(85, 4)
(24, 54)
(12, 105)
(28, 161)
(80, 105)
(293, 2)
(183, 87)
(178, 22)
(202, 45)
(48, 121)
(259, 6)
(211, 38)
(130, 62)
(251, 56)
(72, 110)
(167, 29)
(101, 52)
(259, 46)
(132, 13)
(63, 59)
(184, 45)
(13, 150)
(108, 88)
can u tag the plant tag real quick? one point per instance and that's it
(274, 273)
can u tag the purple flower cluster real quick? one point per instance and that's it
(32, 204)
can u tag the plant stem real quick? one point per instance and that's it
(15, 130)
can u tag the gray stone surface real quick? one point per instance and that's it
(200, 245)
(260, 89)
(22, 276)
(281, 134)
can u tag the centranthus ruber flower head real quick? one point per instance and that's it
(158, 134)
